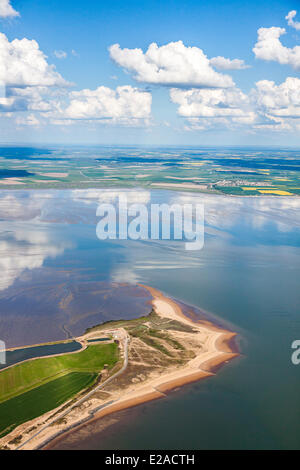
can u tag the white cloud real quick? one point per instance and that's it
(35, 98)
(270, 48)
(213, 109)
(173, 64)
(290, 19)
(60, 54)
(28, 120)
(210, 103)
(279, 100)
(32, 98)
(126, 106)
(35, 89)
(268, 107)
(6, 10)
(8, 105)
(222, 63)
(125, 102)
(279, 105)
(22, 63)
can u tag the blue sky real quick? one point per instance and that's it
(175, 95)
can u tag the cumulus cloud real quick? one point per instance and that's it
(210, 103)
(125, 102)
(222, 63)
(283, 99)
(290, 19)
(60, 54)
(35, 98)
(268, 106)
(125, 106)
(9, 105)
(6, 10)
(278, 104)
(173, 64)
(31, 99)
(36, 89)
(270, 48)
(29, 82)
(213, 109)
(22, 63)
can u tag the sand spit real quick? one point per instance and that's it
(210, 345)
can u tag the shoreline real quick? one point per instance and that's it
(224, 351)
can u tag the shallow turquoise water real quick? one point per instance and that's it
(247, 276)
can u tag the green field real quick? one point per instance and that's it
(28, 375)
(224, 171)
(32, 388)
(38, 401)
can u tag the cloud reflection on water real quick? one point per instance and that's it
(28, 221)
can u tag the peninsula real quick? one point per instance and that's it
(125, 363)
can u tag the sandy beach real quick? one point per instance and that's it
(216, 350)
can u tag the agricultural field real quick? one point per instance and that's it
(23, 377)
(42, 399)
(32, 388)
(247, 172)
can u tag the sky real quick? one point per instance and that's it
(200, 72)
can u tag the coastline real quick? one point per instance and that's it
(223, 351)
